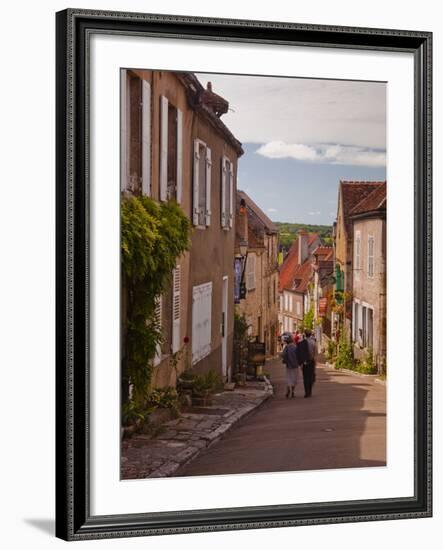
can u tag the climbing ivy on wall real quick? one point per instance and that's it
(153, 236)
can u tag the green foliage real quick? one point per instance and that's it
(240, 327)
(241, 339)
(153, 236)
(308, 320)
(288, 232)
(164, 398)
(207, 383)
(331, 350)
(345, 356)
(131, 413)
(367, 366)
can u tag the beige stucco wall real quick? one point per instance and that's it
(261, 303)
(212, 250)
(291, 311)
(371, 291)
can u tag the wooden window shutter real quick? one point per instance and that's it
(231, 194)
(158, 319)
(370, 256)
(208, 187)
(124, 130)
(195, 208)
(223, 212)
(179, 155)
(201, 321)
(176, 284)
(163, 148)
(146, 138)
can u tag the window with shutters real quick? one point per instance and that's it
(370, 325)
(201, 321)
(176, 305)
(227, 193)
(356, 321)
(298, 308)
(135, 134)
(364, 317)
(370, 256)
(171, 151)
(202, 184)
(357, 258)
(250, 271)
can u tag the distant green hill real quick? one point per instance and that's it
(288, 232)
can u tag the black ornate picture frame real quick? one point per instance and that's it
(73, 518)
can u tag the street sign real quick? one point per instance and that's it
(256, 353)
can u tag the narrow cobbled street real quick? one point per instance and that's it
(343, 425)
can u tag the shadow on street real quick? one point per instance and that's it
(343, 425)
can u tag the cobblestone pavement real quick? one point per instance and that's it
(182, 439)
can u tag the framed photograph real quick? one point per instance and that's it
(243, 274)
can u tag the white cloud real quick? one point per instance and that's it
(328, 154)
(303, 110)
(280, 150)
(316, 213)
(272, 210)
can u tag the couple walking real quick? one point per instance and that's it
(300, 353)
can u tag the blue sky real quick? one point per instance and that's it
(289, 190)
(301, 136)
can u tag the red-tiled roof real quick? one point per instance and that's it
(302, 276)
(291, 270)
(288, 267)
(353, 192)
(322, 250)
(376, 200)
(267, 224)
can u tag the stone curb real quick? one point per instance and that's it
(191, 451)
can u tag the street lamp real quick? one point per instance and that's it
(243, 246)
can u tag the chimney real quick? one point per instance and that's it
(243, 226)
(303, 251)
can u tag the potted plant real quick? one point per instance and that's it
(204, 387)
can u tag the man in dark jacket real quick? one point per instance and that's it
(310, 351)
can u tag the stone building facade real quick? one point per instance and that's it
(296, 274)
(176, 147)
(369, 277)
(350, 193)
(260, 306)
(323, 266)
